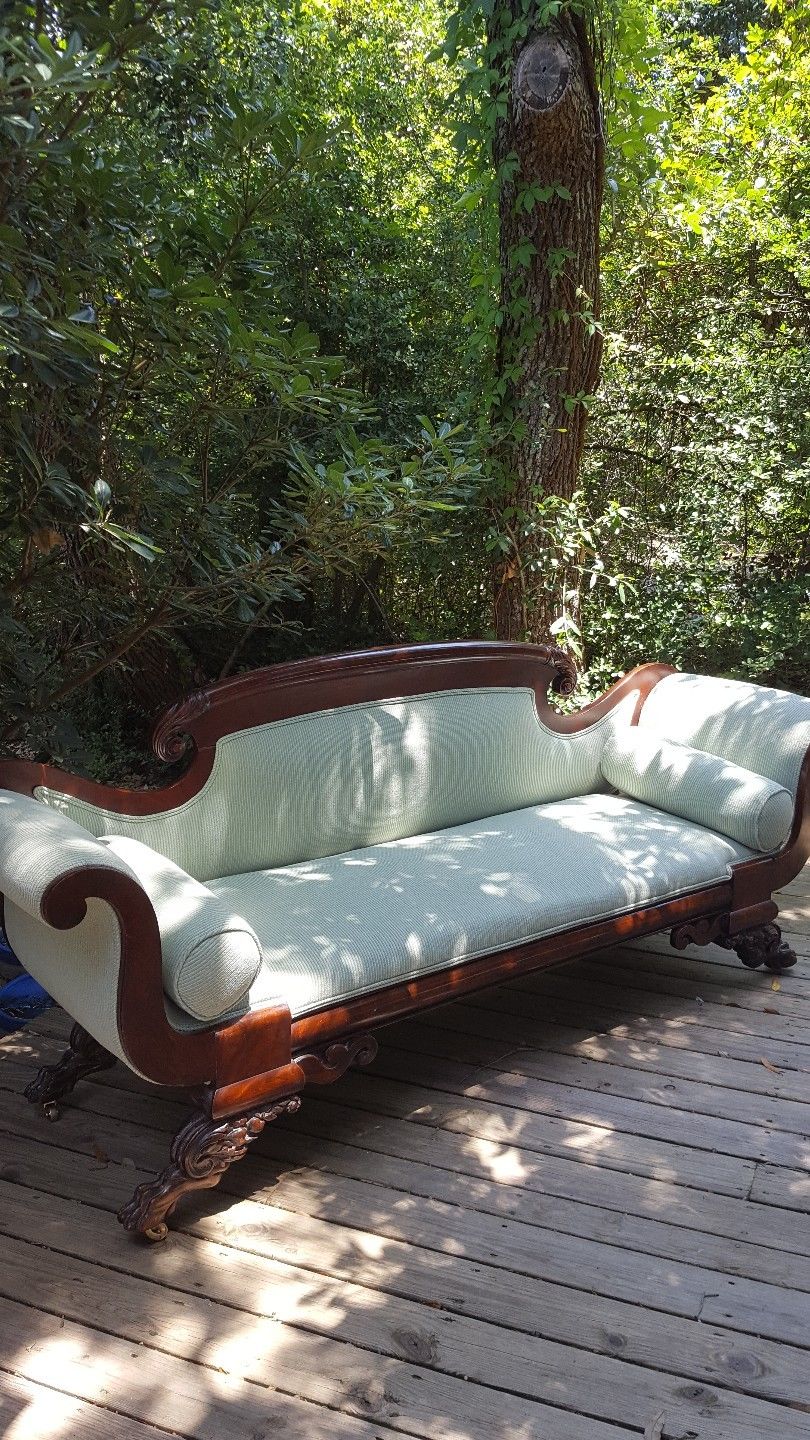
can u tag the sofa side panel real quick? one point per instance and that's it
(79, 967)
(760, 728)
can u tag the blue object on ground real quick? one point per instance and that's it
(7, 956)
(22, 999)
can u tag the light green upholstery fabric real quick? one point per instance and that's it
(78, 967)
(337, 780)
(376, 842)
(211, 956)
(38, 845)
(336, 927)
(764, 730)
(699, 787)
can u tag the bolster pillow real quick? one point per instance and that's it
(211, 956)
(701, 787)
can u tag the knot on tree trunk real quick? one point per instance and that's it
(542, 72)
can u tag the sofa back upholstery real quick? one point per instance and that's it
(336, 780)
(764, 730)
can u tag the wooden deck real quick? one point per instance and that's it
(574, 1208)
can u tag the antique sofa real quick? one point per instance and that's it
(357, 837)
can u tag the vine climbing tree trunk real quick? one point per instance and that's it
(549, 154)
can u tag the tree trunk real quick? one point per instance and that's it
(549, 347)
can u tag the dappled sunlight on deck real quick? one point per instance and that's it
(501, 1163)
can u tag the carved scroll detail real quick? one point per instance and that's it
(200, 1154)
(329, 1063)
(83, 1056)
(565, 677)
(701, 931)
(171, 737)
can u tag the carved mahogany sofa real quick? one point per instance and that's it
(358, 837)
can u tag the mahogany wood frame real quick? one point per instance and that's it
(245, 1064)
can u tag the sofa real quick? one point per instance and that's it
(350, 839)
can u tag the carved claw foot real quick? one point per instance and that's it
(761, 946)
(83, 1056)
(200, 1154)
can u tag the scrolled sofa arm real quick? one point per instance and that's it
(55, 879)
(62, 890)
(38, 845)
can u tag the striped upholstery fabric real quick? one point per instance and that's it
(78, 967)
(210, 954)
(336, 927)
(374, 843)
(699, 787)
(336, 780)
(764, 730)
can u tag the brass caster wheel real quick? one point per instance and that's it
(157, 1233)
(52, 1111)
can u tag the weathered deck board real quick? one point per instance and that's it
(34, 1412)
(648, 1117)
(746, 995)
(554, 1212)
(629, 1022)
(768, 1022)
(664, 1061)
(443, 1342)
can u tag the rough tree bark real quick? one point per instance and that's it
(553, 127)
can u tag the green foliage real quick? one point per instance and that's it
(177, 449)
(572, 548)
(245, 251)
(702, 426)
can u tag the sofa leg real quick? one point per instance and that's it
(763, 945)
(83, 1056)
(201, 1152)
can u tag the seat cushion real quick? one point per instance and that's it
(699, 787)
(332, 929)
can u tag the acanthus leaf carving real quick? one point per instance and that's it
(761, 945)
(565, 676)
(83, 1057)
(201, 1152)
(172, 737)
